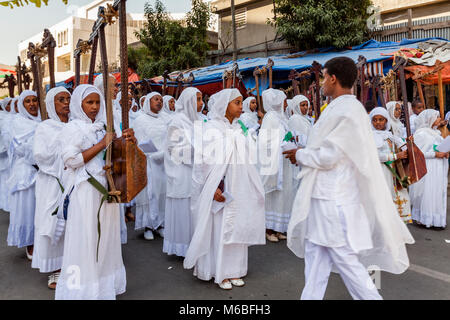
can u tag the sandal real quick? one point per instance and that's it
(226, 285)
(53, 280)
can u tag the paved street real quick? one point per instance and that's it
(274, 272)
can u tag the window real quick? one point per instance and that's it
(66, 41)
(241, 18)
(59, 40)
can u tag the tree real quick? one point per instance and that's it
(169, 44)
(308, 24)
(20, 3)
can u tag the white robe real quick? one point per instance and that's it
(151, 201)
(429, 195)
(219, 246)
(82, 276)
(4, 163)
(48, 256)
(279, 184)
(178, 162)
(344, 129)
(21, 182)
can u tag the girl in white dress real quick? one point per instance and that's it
(4, 164)
(386, 142)
(228, 197)
(92, 266)
(277, 173)
(250, 116)
(429, 195)
(50, 182)
(395, 111)
(150, 202)
(178, 162)
(23, 173)
(168, 109)
(299, 122)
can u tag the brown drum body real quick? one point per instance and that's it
(129, 169)
(416, 166)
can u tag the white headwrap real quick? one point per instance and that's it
(5, 102)
(396, 125)
(220, 101)
(246, 105)
(98, 83)
(147, 108)
(187, 104)
(426, 119)
(296, 104)
(50, 102)
(273, 101)
(22, 111)
(166, 107)
(76, 108)
(381, 135)
(13, 107)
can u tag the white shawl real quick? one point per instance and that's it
(398, 129)
(345, 124)
(298, 122)
(249, 117)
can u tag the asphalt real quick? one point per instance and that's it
(275, 273)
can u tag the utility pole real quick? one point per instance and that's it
(233, 25)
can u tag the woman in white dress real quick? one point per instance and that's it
(386, 144)
(178, 162)
(395, 111)
(299, 122)
(277, 173)
(225, 228)
(50, 183)
(429, 195)
(92, 266)
(4, 164)
(23, 173)
(150, 202)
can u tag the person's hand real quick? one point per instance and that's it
(443, 123)
(441, 155)
(402, 155)
(218, 196)
(129, 135)
(290, 154)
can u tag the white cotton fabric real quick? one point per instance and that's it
(219, 244)
(398, 128)
(165, 112)
(4, 165)
(344, 128)
(24, 111)
(22, 178)
(429, 195)
(249, 117)
(386, 142)
(178, 163)
(277, 172)
(105, 278)
(299, 122)
(47, 151)
(150, 202)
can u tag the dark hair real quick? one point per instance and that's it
(415, 103)
(344, 69)
(369, 105)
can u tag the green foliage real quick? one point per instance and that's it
(20, 3)
(308, 24)
(168, 44)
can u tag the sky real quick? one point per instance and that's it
(21, 23)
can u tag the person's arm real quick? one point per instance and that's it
(323, 158)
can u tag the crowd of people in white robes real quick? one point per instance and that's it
(217, 184)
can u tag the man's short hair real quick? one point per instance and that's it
(344, 69)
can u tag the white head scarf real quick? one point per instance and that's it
(220, 101)
(273, 101)
(246, 105)
(98, 83)
(147, 108)
(426, 119)
(5, 102)
(50, 102)
(141, 102)
(296, 104)
(22, 111)
(187, 104)
(76, 109)
(166, 107)
(381, 135)
(396, 125)
(13, 107)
